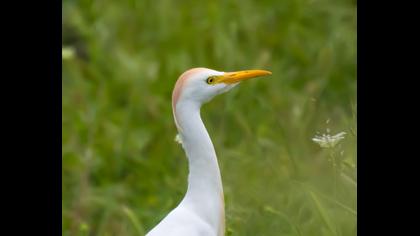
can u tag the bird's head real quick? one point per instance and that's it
(199, 85)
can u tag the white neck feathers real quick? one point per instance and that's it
(205, 191)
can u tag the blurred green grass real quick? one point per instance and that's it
(122, 171)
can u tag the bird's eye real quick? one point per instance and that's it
(210, 80)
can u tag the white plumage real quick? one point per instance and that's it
(201, 212)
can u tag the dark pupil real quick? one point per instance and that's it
(210, 80)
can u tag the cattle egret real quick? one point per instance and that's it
(201, 211)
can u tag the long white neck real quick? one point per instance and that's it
(205, 191)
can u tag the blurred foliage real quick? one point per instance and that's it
(122, 171)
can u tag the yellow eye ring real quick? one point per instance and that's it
(210, 80)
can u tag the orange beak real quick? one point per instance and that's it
(238, 76)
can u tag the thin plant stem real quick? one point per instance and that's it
(334, 164)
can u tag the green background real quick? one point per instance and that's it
(122, 170)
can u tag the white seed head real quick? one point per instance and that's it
(328, 141)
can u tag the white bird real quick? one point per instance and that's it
(201, 211)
